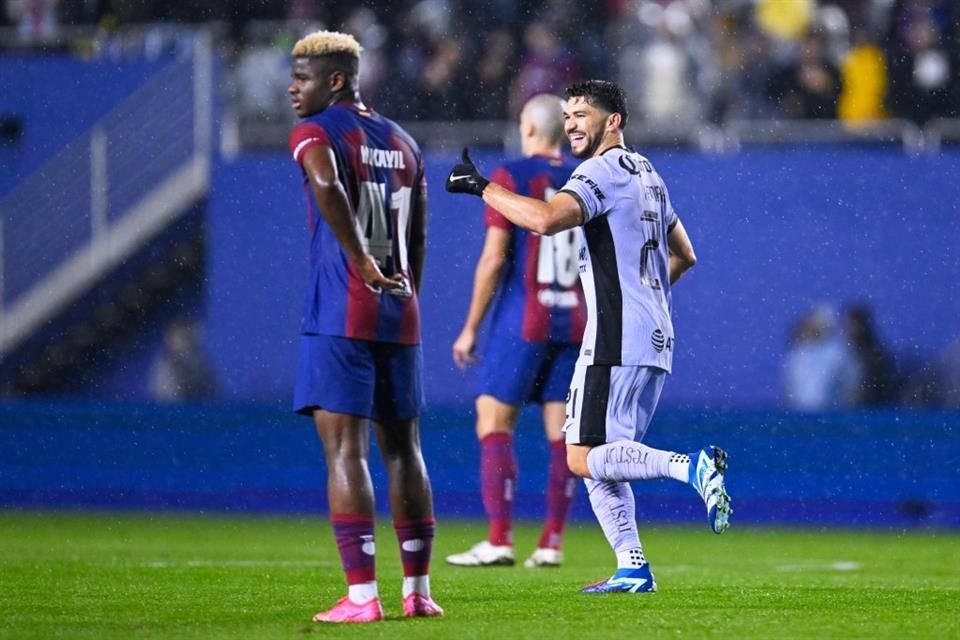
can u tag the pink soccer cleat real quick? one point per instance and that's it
(346, 610)
(420, 606)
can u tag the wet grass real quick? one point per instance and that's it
(121, 575)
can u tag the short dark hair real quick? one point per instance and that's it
(338, 61)
(603, 94)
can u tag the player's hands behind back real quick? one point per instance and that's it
(396, 285)
(464, 178)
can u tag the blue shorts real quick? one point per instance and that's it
(376, 380)
(517, 372)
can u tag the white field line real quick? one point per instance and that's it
(838, 565)
(255, 564)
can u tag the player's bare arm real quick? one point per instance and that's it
(682, 257)
(546, 218)
(321, 169)
(418, 238)
(485, 281)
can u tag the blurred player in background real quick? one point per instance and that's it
(360, 353)
(633, 247)
(535, 332)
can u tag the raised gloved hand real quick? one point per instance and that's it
(465, 178)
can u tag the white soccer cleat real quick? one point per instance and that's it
(544, 557)
(707, 467)
(484, 554)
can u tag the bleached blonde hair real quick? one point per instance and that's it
(321, 43)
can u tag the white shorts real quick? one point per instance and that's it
(608, 403)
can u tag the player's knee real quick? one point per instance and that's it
(406, 453)
(577, 460)
(345, 452)
(494, 416)
(486, 428)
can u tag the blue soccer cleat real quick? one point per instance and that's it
(638, 580)
(707, 467)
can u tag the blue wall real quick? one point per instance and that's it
(886, 469)
(58, 98)
(776, 231)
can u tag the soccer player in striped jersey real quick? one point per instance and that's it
(537, 320)
(360, 353)
(633, 248)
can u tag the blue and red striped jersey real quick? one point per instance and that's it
(381, 169)
(539, 297)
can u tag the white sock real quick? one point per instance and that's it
(363, 592)
(625, 460)
(679, 468)
(614, 506)
(631, 558)
(418, 584)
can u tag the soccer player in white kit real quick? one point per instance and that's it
(633, 247)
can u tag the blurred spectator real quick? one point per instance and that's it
(666, 72)
(821, 371)
(372, 35)
(36, 20)
(546, 66)
(428, 79)
(441, 81)
(261, 76)
(808, 88)
(181, 372)
(753, 76)
(494, 71)
(864, 74)
(75, 12)
(922, 69)
(784, 19)
(876, 371)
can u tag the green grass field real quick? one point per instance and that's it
(67, 575)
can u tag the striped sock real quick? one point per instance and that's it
(354, 535)
(498, 479)
(416, 547)
(561, 487)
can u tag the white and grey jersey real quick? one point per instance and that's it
(624, 260)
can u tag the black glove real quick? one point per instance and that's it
(465, 178)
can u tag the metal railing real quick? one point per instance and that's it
(271, 131)
(105, 195)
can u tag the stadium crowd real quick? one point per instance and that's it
(680, 60)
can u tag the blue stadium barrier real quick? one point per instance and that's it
(886, 469)
(777, 230)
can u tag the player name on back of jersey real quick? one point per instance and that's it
(382, 158)
(559, 299)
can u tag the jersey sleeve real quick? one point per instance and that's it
(589, 186)
(671, 218)
(305, 136)
(492, 217)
